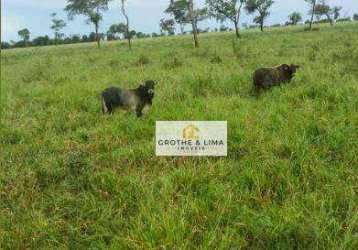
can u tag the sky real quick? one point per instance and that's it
(144, 15)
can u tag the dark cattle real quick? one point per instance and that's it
(138, 100)
(265, 78)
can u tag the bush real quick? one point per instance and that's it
(325, 20)
(313, 29)
(5, 45)
(346, 19)
(223, 28)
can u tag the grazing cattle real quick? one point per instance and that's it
(265, 78)
(138, 100)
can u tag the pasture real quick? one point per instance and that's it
(72, 178)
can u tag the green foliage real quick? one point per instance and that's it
(295, 18)
(336, 11)
(57, 26)
(94, 17)
(89, 8)
(85, 7)
(260, 6)
(117, 28)
(167, 26)
(323, 9)
(24, 34)
(355, 17)
(183, 12)
(72, 178)
(226, 9)
(177, 8)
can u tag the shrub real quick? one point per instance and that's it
(346, 19)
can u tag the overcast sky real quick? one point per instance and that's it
(144, 15)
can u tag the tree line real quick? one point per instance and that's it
(182, 12)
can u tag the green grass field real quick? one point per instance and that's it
(72, 178)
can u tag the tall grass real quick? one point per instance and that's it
(73, 178)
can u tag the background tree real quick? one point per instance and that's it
(111, 36)
(194, 16)
(223, 28)
(141, 35)
(262, 7)
(132, 33)
(120, 29)
(41, 41)
(184, 10)
(128, 35)
(95, 18)
(295, 17)
(24, 35)
(178, 10)
(57, 26)
(5, 45)
(115, 30)
(89, 8)
(355, 17)
(322, 9)
(336, 10)
(226, 9)
(312, 3)
(167, 25)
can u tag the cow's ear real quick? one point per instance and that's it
(285, 67)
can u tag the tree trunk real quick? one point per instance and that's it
(237, 29)
(193, 22)
(262, 26)
(329, 19)
(128, 36)
(182, 28)
(97, 36)
(313, 8)
(195, 34)
(97, 28)
(237, 21)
